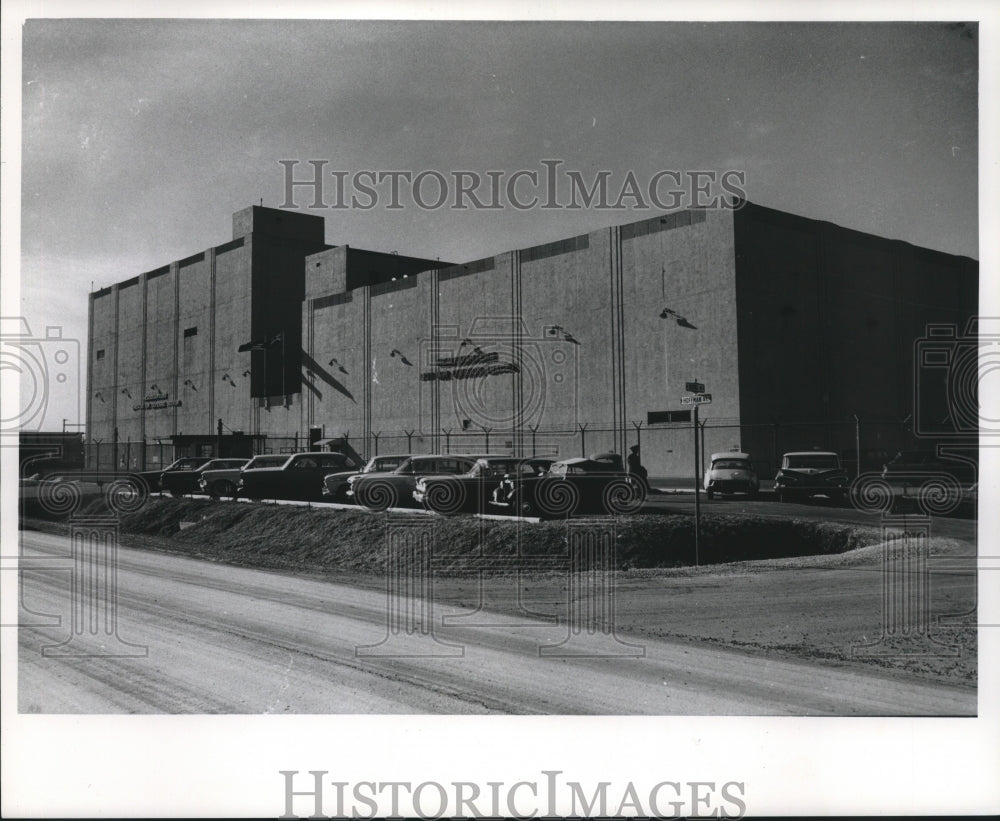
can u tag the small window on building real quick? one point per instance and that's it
(190, 332)
(100, 354)
(667, 417)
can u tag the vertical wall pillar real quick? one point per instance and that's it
(212, 368)
(90, 379)
(366, 319)
(310, 346)
(434, 342)
(517, 328)
(143, 366)
(175, 273)
(115, 390)
(619, 411)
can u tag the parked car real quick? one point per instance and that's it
(942, 483)
(184, 479)
(380, 491)
(472, 490)
(811, 473)
(335, 484)
(219, 482)
(731, 472)
(597, 485)
(300, 477)
(182, 476)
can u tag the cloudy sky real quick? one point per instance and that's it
(141, 137)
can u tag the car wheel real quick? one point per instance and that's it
(526, 507)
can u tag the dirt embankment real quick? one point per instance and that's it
(285, 536)
(810, 590)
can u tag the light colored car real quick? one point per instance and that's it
(811, 473)
(220, 482)
(731, 472)
(335, 484)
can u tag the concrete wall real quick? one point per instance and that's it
(683, 261)
(161, 326)
(795, 321)
(578, 318)
(828, 318)
(233, 296)
(101, 350)
(176, 331)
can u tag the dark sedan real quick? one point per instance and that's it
(335, 484)
(939, 483)
(182, 476)
(598, 485)
(380, 491)
(811, 473)
(299, 477)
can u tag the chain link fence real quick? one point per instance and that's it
(666, 450)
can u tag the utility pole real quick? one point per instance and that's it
(697, 493)
(699, 398)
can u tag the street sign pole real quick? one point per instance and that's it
(697, 493)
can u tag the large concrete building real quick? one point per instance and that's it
(798, 329)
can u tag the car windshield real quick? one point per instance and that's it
(267, 462)
(494, 468)
(187, 464)
(224, 464)
(384, 463)
(730, 464)
(819, 461)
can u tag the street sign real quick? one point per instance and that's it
(700, 399)
(694, 387)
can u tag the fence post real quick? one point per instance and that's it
(583, 438)
(447, 439)
(774, 445)
(638, 435)
(534, 431)
(409, 440)
(857, 444)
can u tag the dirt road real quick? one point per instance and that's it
(199, 637)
